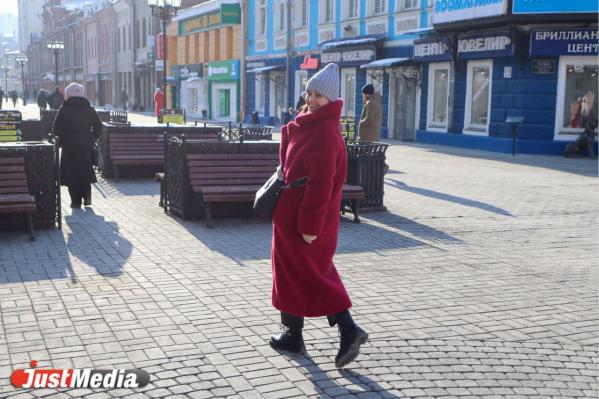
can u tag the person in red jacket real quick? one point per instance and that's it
(305, 282)
(159, 101)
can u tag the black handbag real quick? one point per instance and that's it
(268, 195)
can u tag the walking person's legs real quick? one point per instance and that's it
(290, 338)
(352, 337)
(76, 196)
(87, 194)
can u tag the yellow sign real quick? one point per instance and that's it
(173, 116)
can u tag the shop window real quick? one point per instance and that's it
(277, 95)
(577, 93)
(438, 92)
(259, 94)
(348, 91)
(194, 101)
(478, 96)
(224, 97)
(301, 78)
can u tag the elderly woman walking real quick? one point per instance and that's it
(77, 125)
(305, 282)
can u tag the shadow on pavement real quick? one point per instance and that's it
(360, 384)
(448, 197)
(412, 227)
(38, 261)
(253, 237)
(107, 253)
(580, 166)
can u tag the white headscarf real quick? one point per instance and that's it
(74, 90)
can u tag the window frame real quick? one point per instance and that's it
(413, 8)
(259, 94)
(261, 19)
(373, 4)
(469, 128)
(567, 133)
(325, 6)
(430, 124)
(343, 73)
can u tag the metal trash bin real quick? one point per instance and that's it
(366, 168)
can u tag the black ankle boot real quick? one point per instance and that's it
(352, 337)
(291, 338)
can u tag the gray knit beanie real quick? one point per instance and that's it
(326, 82)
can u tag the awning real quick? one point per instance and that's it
(388, 62)
(420, 31)
(266, 69)
(331, 44)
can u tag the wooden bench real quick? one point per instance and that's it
(145, 149)
(228, 177)
(237, 178)
(14, 191)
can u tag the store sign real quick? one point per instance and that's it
(429, 50)
(564, 42)
(175, 116)
(554, 6)
(460, 10)
(495, 44)
(310, 62)
(159, 65)
(190, 71)
(223, 70)
(255, 64)
(227, 14)
(10, 125)
(355, 55)
(491, 45)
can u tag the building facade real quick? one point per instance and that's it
(30, 22)
(204, 49)
(371, 40)
(484, 66)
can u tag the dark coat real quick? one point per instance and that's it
(55, 100)
(305, 281)
(42, 98)
(77, 125)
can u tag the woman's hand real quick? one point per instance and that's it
(308, 238)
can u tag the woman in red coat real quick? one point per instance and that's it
(305, 282)
(159, 101)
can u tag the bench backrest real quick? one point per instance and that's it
(151, 144)
(13, 179)
(231, 169)
(136, 144)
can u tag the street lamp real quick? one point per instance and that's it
(164, 9)
(22, 60)
(55, 47)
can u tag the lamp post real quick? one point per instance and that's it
(22, 60)
(56, 48)
(164, 9)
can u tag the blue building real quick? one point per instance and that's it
(483, 64)
(367, 38)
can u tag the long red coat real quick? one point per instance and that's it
(304, 279)
(159, 101)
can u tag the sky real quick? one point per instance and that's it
(10, 6)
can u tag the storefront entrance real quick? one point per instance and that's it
(403, 108)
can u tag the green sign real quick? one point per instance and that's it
(227, 14)
(223, 70)
(151, 56)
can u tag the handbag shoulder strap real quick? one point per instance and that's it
(297, 183)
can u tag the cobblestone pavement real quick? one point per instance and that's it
(480, 282)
